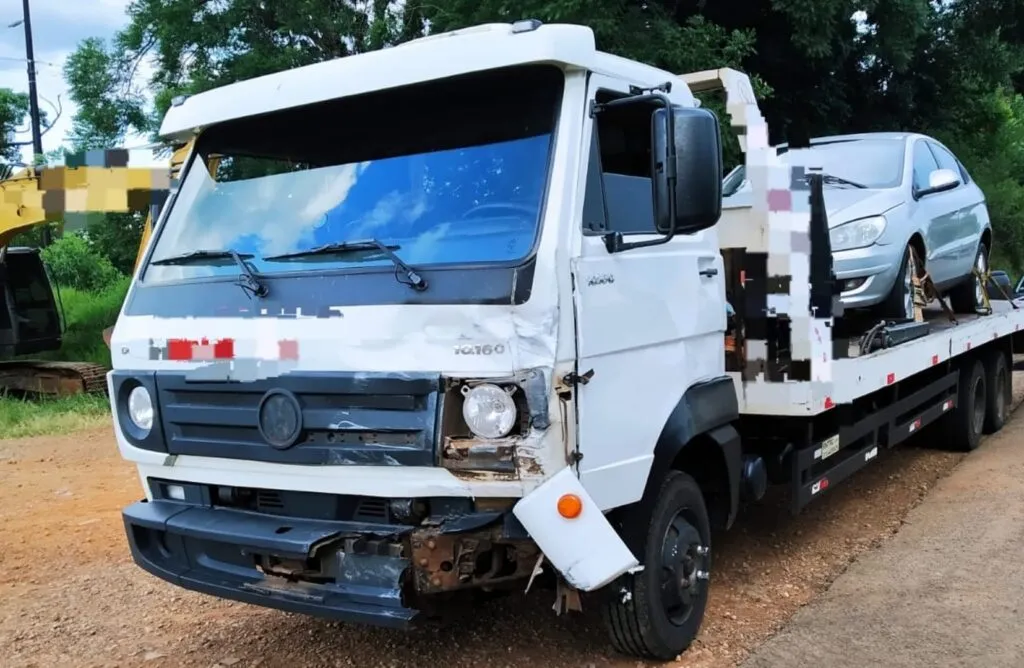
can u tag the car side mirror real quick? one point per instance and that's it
(940, 180)
(686, 163)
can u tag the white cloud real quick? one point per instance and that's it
(58, 26)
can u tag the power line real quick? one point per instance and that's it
(25, 60)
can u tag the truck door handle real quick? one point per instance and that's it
(711, 271)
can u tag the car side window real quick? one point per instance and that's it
(924, 165)
(618, 193)
(945, 159)
(963, 172)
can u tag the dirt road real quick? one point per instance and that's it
(947, 590)
(70, 596)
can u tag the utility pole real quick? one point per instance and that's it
(33, 102)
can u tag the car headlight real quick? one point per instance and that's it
(140, 408)
(488, 410)
(857, 233)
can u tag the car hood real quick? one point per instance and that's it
(846, 204)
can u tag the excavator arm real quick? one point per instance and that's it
(38, 196)
(93, 182)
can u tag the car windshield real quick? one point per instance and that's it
(875, 163)
(451, 172)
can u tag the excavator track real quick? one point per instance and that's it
(53, 378)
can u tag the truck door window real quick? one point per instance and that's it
(618, 195)
(924, 165)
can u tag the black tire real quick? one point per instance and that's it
(964, 298)
(999, 386)
(641, 620)
(899, 305)
(961, 429)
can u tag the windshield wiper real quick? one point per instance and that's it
(248, 281)
(416, 281)
(832, 179)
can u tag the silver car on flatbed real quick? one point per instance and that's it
(887, 192)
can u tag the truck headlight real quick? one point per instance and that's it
(856, 233)
(140, 408)
(488, 410)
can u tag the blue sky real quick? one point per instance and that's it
(58, 26)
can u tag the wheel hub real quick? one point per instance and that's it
(981, 266)
(908, 287)
(978, 416)
(1000, 390)
(684, 568)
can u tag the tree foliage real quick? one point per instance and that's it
(13, 112)
(74, 264)
(953, 69)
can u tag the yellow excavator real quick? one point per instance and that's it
(30, 310)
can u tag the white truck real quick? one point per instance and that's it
(357, 397)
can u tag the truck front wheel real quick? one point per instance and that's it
(656, 613)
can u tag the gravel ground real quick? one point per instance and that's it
(70, 596)
(945, 591)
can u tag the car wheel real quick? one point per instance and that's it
(969, 296)
(899, 305)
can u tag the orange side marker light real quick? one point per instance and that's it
(570, 506)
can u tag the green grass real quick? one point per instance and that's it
(39, 417)
(86, 315)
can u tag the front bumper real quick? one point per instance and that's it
(878, 265)
(323, 556)
(215, 551)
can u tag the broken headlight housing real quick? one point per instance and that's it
(482, 422)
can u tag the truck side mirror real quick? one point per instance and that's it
(686, 163)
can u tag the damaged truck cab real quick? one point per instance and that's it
(402, 331)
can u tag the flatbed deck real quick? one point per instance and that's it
(842, 381)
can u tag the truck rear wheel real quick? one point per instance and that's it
(1000, 391)
(963, 426)
(657, 612)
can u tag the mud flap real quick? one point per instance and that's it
(586, 550)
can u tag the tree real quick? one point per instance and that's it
(13, 111)
(110, 104)
(200, 45)
(952, 68)
(109, 101)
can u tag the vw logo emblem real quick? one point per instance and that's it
(279, 419)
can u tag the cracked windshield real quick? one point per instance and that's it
(466, 190)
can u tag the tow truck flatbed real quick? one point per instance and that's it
(860, 375)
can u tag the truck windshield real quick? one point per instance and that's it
(452, 172)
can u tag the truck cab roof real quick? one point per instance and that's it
(440, 56)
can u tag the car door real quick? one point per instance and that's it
(936, 214)
(967, 201)
(649, 321)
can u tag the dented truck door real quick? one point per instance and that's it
(640, 330)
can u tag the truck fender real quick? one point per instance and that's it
(703, 418)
